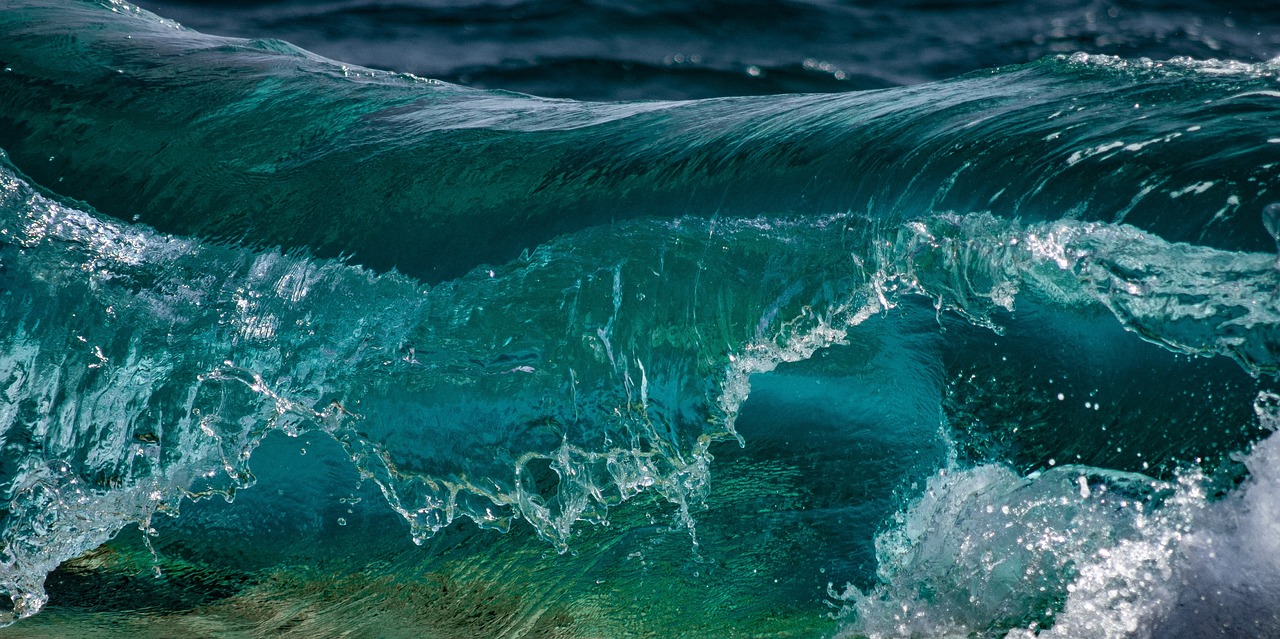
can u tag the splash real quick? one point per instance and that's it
(526, 312)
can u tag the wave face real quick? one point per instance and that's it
(992, 356)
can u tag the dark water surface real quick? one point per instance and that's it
(839, 320)
(619, 50)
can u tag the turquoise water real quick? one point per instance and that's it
(297, 348)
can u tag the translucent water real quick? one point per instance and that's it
(295, 348)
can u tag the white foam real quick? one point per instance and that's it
(984, 552)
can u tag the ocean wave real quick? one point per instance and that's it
(527, 312)
(260, 142)
(591, 360)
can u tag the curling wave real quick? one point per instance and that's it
(510, 309)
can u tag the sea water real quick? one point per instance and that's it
(293, 347)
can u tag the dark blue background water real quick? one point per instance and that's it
(628, 50)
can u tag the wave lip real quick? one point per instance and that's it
(275, 146)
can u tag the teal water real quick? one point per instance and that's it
(992, 356)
